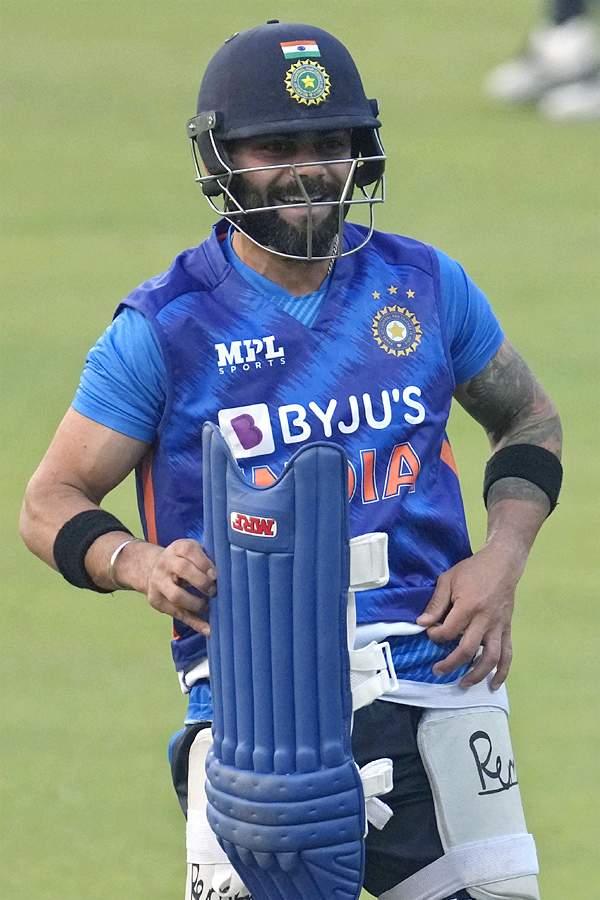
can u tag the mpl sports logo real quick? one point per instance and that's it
(249, 354)
(258, 525)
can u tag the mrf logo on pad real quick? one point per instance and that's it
(258, 525)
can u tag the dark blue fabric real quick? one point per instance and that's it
(245, 85)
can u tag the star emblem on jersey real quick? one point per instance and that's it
(397, 330)
(308, 82)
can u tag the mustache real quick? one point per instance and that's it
(317, 190)
(281, 192)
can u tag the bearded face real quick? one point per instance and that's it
(294, 227)
(287, 231)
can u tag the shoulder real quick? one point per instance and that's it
(195, 270)
(397, 249)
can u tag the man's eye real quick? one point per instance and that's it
(334, 148)
(277, 148)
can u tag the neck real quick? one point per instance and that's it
(297, 276)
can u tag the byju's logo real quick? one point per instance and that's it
(254, 353)
(253, 525)
(247, 430)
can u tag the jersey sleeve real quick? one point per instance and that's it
(473, 331)
(123, 383)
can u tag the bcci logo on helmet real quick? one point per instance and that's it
(308, 82)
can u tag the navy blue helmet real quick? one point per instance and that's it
(284, 78)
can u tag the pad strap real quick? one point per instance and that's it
(470, 865)
(372, 673)
(369, 561)
(377, 778)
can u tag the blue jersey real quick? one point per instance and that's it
(373, 373)
(124, 382)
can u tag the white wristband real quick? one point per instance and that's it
(113, 559)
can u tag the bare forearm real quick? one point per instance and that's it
(83, 464)
(513, 524)
(46, 508)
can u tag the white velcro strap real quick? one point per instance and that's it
(378, 812)
(369, 561)
(372, 673)
(202, 845)
(470, 865)
(377, 777)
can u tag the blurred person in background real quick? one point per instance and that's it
(560, 67)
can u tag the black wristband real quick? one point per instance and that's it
(75, 539)
(528, 461)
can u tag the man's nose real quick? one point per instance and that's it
(308, 161)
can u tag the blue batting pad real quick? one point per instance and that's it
(285, 797)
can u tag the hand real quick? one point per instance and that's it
(478, 596)
(168, 571)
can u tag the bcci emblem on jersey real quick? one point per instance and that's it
(397, 330)
(308, 82)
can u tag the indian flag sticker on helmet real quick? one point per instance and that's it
(296, 49)
(308, 82)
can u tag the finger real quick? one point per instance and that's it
(439, 603)
(185, 561)
(194, 552)
(456, 623)
(485, 663)
(179, 597)
(461, 655)
(504, 663)
(165, 588)
(181, 570)
(195, 622)
(176, 611)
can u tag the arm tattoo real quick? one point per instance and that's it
(517, 489)
(507, 400)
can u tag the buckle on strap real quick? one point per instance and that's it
(372, 673)
(369, 561)
(377, 778)
(371, 668)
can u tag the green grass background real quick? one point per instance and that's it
(97, 196)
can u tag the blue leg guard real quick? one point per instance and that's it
(285, 797)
